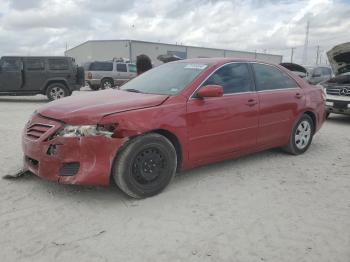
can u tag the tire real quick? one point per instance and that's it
(145, 165)
(56, 91)
(301, 136)
(107, 84)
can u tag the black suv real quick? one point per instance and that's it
(54, 76)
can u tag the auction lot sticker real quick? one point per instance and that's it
(196, 66)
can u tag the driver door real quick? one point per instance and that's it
(227, 124)
(10, 74)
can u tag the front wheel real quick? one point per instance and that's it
(301, 136)
(145, 166)
(56, 91)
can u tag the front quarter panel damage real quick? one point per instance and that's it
(169, 117)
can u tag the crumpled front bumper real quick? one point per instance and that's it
(68, 160)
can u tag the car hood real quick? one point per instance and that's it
(339, 58)
(90, 108)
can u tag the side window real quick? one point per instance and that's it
(121, 68)
(317, 72)
(326, 71)
(10, 65)
(270, 78)
(34, 64)
(132, 68)
(101, 66)
(58, 64)
(234, 78)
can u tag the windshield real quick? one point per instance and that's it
(167, 79)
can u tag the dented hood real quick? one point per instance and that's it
(90, 108)
(339, 58)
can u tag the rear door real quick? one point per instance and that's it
(280, 101)
(228, 124)
(132, 71)
(11, 74)
(34, 73)
(123, 74)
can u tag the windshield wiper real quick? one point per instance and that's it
(132, 90)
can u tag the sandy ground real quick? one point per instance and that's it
(265, 207)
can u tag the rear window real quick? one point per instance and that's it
(101, 66)
(326, 71)
(121, 68)
(58, 64)
(132, 68)
(34, 64)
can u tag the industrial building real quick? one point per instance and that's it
(101, 50)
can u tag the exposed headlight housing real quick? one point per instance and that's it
(87, 130)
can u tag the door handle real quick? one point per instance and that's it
(251, 102)
(298, 95)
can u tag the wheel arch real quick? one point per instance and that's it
(313, 117)
(175, 142)
(53, 81)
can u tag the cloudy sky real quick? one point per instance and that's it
(45, 27)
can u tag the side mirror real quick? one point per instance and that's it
(210, 91)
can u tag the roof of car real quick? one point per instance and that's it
(219, 60)
(35, 56)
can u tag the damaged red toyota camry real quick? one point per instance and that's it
(174, 117)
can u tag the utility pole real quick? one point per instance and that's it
(317, 54)
(306, 44)
(292, 54)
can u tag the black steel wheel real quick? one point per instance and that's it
(145, 165)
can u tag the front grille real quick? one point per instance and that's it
(35, 131)
(338, 91)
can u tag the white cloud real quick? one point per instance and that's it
(44, 27)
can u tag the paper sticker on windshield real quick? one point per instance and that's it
(196, 66)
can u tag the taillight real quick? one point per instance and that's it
(89, 75)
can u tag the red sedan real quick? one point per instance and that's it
(174, 117)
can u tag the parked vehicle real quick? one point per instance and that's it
(318, 74)
(53, 76)
(337, 89)
(107, 74)
(173, 117)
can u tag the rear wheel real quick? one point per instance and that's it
(56, 91)
(107, 84)
(301, 136)
(145, 166)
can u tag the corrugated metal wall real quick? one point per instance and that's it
(101, 50)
